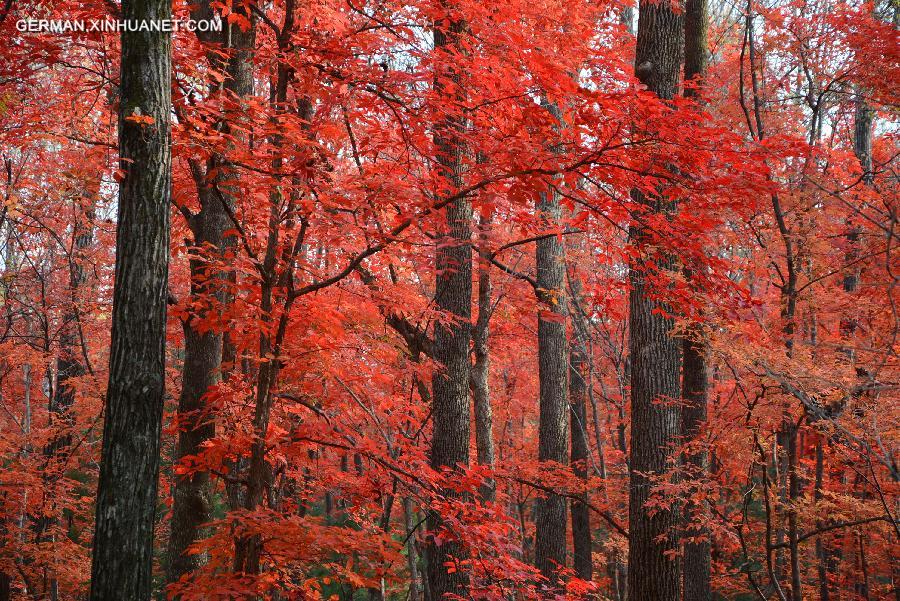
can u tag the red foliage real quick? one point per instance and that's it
(333, 220)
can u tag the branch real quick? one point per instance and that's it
(301, 401)
(90, 142)
(233, 218)
(416, 338)
(609, 519)
(516, 274)
(830, 527)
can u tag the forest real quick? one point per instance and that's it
(434, 300)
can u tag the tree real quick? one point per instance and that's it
(122, 558)
(653, 572)
(323, 169)
(695, 369)
(481, 390)
(553, 430)
(579, 380)
(203, 341)
(453, 295)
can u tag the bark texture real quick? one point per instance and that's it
(862, 136)
(696, 45)
(453, 296)
(696, 561)
(660, 46)
(122, 559)
(481, 392)
(203, 348)
(653, 571)
(579, 373)
(553, 428)
(830, 558)
(695, 383)
(412, 559)
(70, 363)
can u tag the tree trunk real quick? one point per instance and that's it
(453, 296)
(69, 365)
(122, 560)
(653, 572)
(862, 147)
(553, 427)
(695, 385)
(260, 477)
(793, 529)
(823, 554)
(377, 593)
(787, 434)
(203, 348)
(861, 586)
(862, 136)
(579, 373)
(411, 555)
(696, 45)
(481, 392)
(5, 587)
(696, 562)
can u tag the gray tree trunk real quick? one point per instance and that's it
(695, 383)
(653, 571)
(696, 561)
(481, 392)
(862, 136)
(453, 296)
(70, 362)
(274, 302)
(553, 427)
(862, 146)
(579, 374)
(122, 559)
(203, 348)
(412, 558)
